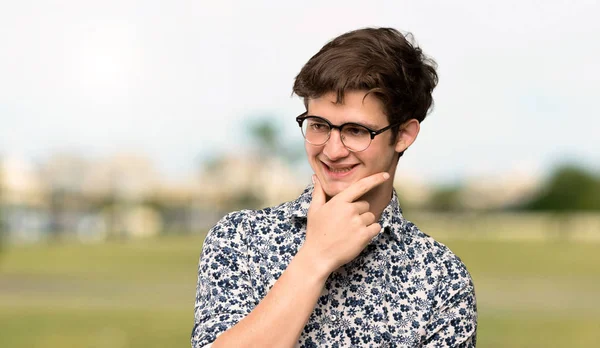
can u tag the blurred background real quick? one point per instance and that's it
(128, 128)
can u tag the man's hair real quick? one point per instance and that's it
(381, 61)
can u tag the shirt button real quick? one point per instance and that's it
(333, 317)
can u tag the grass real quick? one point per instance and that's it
(171, 258)
(529, 258)
(537, 328)
(94, 327)
(140, 294)
(534, 294)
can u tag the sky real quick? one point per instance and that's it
(179, 81)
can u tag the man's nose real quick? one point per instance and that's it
(334, 148)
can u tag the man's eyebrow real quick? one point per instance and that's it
(366, 124)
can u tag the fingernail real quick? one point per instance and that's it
(386, 176)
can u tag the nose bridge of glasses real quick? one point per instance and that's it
(338, 128)
(336, 139)
(335, 148)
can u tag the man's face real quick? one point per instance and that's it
(335, 165)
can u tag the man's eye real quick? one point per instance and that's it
(319, 127)
(356, 131)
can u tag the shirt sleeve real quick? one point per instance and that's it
(454, 321)
(224, 293)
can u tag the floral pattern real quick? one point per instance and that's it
(404, 290)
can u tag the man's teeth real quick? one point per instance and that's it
(340, 170)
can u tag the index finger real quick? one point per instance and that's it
(362, 186)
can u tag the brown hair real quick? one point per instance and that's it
(382, 61)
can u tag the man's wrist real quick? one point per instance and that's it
(311, 266)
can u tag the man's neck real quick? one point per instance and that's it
(379, 198)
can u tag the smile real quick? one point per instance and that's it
(339, 172)
(342, 170)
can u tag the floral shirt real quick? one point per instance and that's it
(404, 290)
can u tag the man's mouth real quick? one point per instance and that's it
(340, 170)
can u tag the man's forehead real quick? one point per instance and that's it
(340, 98)
(332, 97)
(357, 107)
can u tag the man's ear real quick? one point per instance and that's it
(407, 134)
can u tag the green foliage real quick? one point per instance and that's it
(266, 132)
(246, 199)
(446, 198)
(570, 188)
(2, 228)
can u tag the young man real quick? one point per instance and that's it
(341, 266)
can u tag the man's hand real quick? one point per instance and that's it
(340, 229)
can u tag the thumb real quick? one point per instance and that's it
(318, 196)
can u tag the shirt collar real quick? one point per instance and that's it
(299, 207)
(391, 218)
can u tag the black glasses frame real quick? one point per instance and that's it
(303, 116)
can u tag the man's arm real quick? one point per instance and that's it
(454, 321)
(277, 321)
(337, 232)
(279, 318)
(224, 290)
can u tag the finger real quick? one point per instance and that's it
(362, 186)
(318, 196)
(373, 230)
(368, 218)
(361, 206)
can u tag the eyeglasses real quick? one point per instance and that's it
(355, 137)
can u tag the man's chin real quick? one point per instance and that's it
(333, 189)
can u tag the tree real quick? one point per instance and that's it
(445, 198)
(570, 188)
(266, 133)
(2, 230)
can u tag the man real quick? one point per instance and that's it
(340, 266)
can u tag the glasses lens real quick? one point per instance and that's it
(315, 130)
(356, 137)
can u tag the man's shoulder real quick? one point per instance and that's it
(430, 249)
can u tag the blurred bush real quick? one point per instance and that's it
(570, 188)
